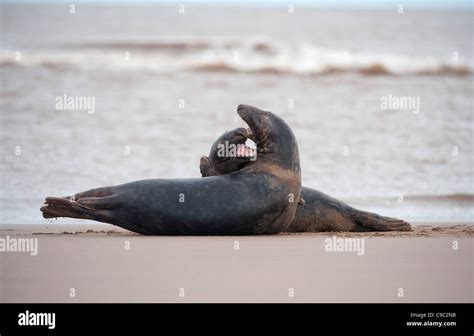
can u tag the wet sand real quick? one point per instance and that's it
(101, 263)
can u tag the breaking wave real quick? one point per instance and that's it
(238, 56)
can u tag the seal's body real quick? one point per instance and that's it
(257, 199)
(321, 212)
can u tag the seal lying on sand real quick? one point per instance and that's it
(320, 212)
(257, 199)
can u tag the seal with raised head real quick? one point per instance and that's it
(257, 199)
(316, 211)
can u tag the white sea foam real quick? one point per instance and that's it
(257, 55)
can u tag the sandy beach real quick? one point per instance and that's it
(102, 263)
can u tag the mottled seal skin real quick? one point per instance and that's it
(317, 211)
(252, 201)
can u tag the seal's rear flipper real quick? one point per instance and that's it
(372, 222)
(85, 208)
(62, 207)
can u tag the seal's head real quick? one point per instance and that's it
(230, 152)
(274, 140)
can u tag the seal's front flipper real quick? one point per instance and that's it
(206, 167)
(368, 221)
(301, 201)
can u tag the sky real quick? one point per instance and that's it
(428, 4)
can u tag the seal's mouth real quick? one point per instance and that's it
(246, 150)
(246, 147)
(237, 145)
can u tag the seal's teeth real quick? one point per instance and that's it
(250, 144)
